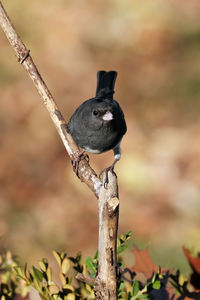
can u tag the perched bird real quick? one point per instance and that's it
(98, 124)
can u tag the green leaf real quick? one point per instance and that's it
(65, 265)
(37, 285)
(26, 273)
(57, 256)
(90, 264)
(120, 289)
(49, 274)
(157, 285)
(78, 258)
(63, 279)
(63, 255)
(30, 278)
(125, 237)
(42, 266)
(135, 287)
(121, 248)
(38, 274)
(19, 272)
(121, 286)
(154, 277)
(129, 233)
(96, 255)
(121, 264)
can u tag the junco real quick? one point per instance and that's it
(98, 124)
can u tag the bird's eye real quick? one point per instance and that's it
(95, 112)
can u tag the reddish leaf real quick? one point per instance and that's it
(144, 263)
(193, 261)
(195, 265)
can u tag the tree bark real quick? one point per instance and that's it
(105, 282)
(108, 226)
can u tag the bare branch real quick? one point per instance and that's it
(108, 225)
(106, 282)
(85, 278)
(86, 173)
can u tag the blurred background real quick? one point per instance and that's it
(155, 47)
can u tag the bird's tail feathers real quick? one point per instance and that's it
(106, 83)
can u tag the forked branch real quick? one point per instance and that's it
(105, 282)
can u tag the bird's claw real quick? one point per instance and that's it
(105, 178)
(76, 160)
(106, 170)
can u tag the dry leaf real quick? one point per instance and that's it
(195, 265)
(144, 263)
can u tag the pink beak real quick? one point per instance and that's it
(108, 116)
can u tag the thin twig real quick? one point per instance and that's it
(86, 279)
(86, 173)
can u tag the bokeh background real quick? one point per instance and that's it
(155, 47)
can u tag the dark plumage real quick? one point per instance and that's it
(98, 124)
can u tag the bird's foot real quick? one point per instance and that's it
(76, 160)
(105, 178)
(105, 171)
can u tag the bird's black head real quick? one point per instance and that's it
(102, 109)
(98, 112)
